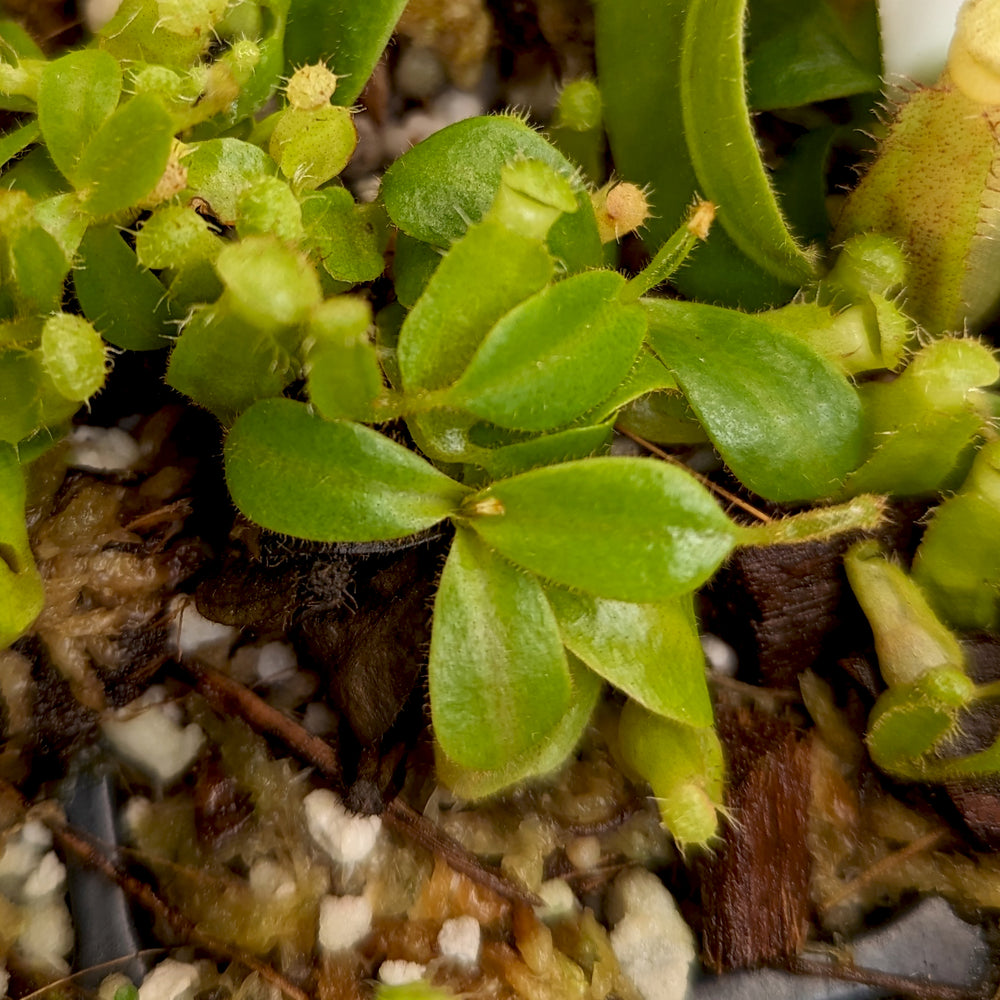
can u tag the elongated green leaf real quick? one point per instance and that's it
(498, 677)
(20, 401)
(545, 755)
(21, 593)
(800, 53)
(630, 529)
(126, 158)
(562, 446)
(348, 35)
(12, 142)
(76, 96)
(292, 471)
(124, 301)
(36, 268)
(435, 190)
(485, 274)
(650, 651)
(555, 356)
(785, 421)
(638, 48)
(722, 144)
(73, 355)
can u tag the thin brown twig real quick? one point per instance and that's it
(226, 695)
(100, 967)
(704, 480)
(80, 846)
(897, 985)
(925, 843)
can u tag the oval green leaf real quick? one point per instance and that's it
(76, 95)
(484, 275)
(331, 481)
(438, 188)
(545, 755)
(784, 419)
(722, 143)
(126, 158)
(630, 529)
(650, 651)
(498, 677)
(125, 302)
(555, 356)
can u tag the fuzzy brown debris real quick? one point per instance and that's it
(755, 890)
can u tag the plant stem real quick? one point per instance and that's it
(673, 253)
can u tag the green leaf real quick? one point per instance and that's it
(342, 371)
(555, 356)
(921, 426)
(350, 36)
(174, 236)
(312, 146)
(17, 139)
(413, 263)
(484, 275)
(958, 562)
(630, 529)
(349, 239)
(650, 651)
(800, 53)
(498, 676)
(220, 170)
(562, 446)
(437, 189)
(14, 40)
(722, 143)
(226, 364)
(126, 158)
(638, 48)
(21, 593)
(784, 420)
(36, 268)
(77, 94)
(292, 471)
(268, 283)
(546, 753)
(124, 301)
(20, 401)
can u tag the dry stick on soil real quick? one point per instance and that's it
(901, 986)
(80, 846)
(110, 964)
(226, 695)
(925, 843)
(704, 480)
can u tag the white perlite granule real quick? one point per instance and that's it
(459, 940)
(343, 922)
(397, 972)
(345, 836)
(170, 980)
(651, 941)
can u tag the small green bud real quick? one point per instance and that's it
(74, 356)
(579, 107)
